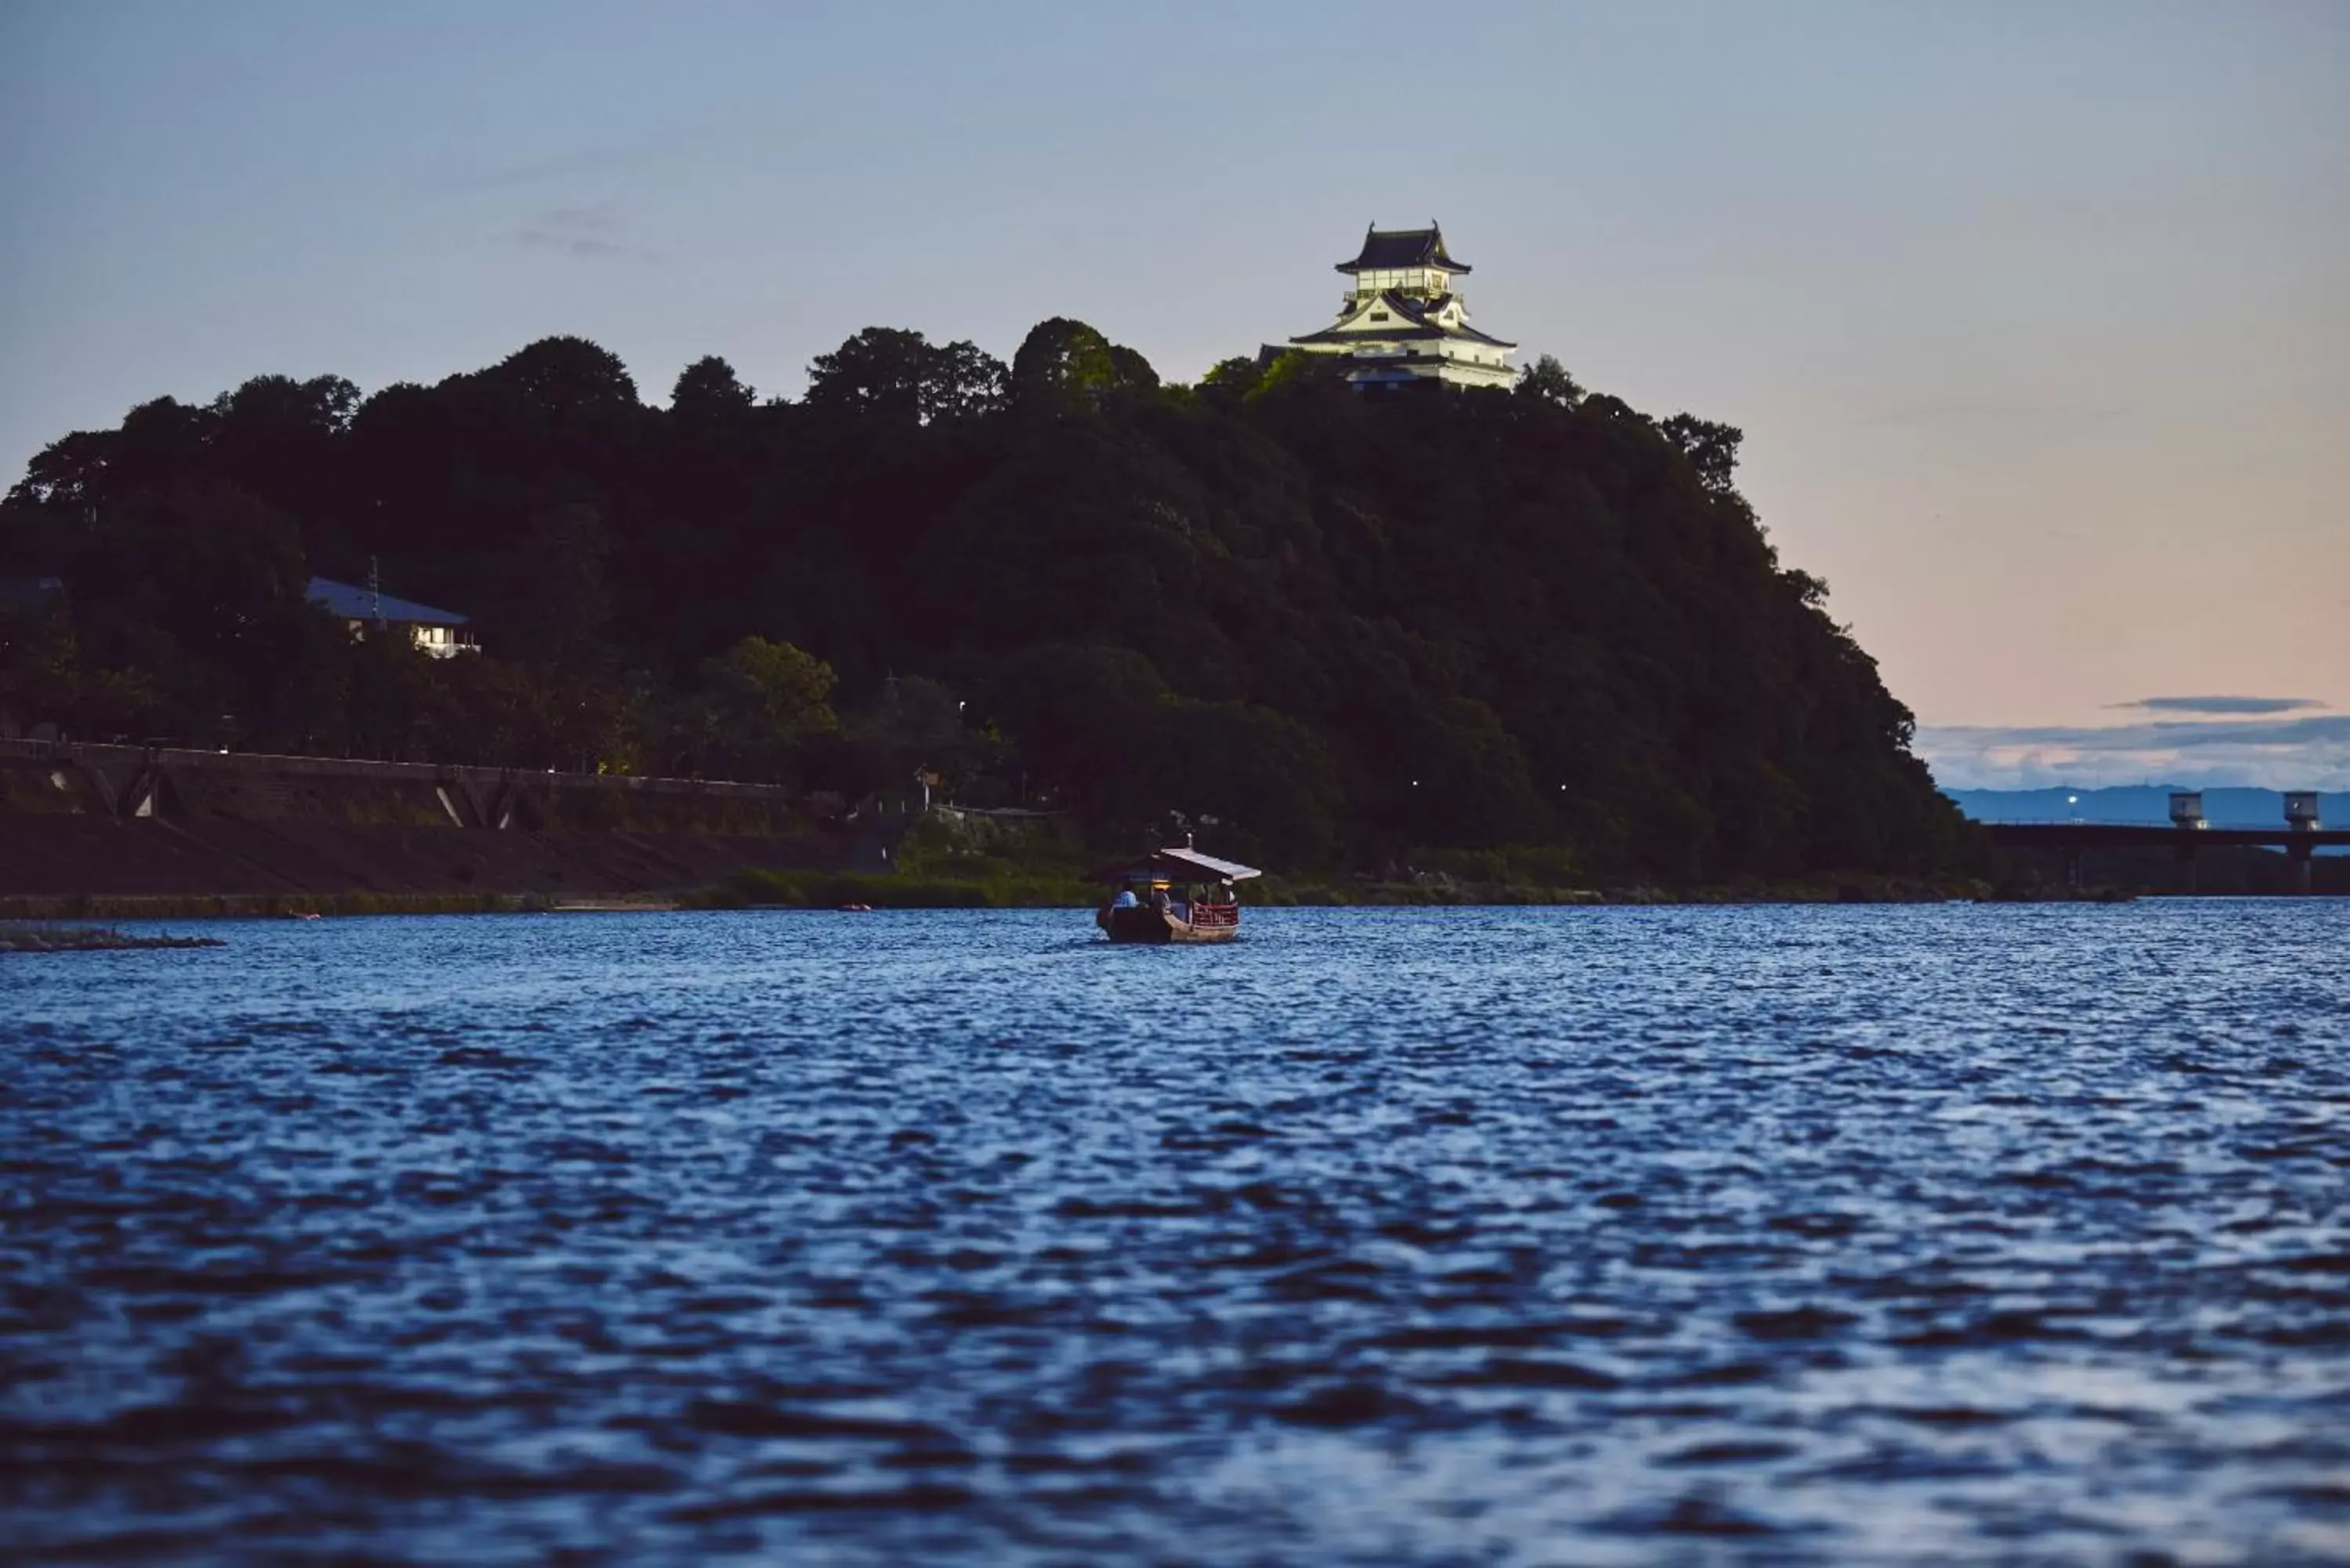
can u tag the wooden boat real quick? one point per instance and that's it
(1179, 896)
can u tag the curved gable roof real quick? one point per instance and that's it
(1421, 320)
(1388, 249)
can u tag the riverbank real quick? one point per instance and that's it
(104, 833)
(832, 890)
(261, 906)
(101, 833)
(35, 938)
(1444, 892)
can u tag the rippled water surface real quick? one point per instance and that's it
(1754, 1235)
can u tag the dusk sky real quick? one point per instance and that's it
(2037, 318)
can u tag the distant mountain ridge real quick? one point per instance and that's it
(2138, 802)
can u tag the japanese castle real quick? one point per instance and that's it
(1400, 324)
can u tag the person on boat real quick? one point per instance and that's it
(1159, 901)
(1126, 898)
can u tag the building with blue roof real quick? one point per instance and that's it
(367, 610)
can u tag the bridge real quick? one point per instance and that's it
(2299, 836)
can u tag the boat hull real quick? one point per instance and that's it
(1147, 925)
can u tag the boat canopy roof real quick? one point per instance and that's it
(1180, 860)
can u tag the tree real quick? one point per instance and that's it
(399, 707)
(1811, 590)
(1230, 381)
(283, 442)
(163, 443)
(909, 724)
(39, 679)
(898, 377)
(962, 382)
(1133, 372)
(283, 407)
(566, 375)
(1087, 720)
(553, 604)
(204, 588)
(1547, 379)
(70, 475)
(708, 392)
(1065, 366)
(758, 704)
(1267, 780)
(877, 373)
(1711, 448)
(1293, 367)
(1344, 625)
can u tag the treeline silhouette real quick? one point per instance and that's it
(1329, 628)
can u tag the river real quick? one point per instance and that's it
(1949, 1234)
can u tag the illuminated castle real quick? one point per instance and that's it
(1400, 323)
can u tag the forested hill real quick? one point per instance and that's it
(1330, 628)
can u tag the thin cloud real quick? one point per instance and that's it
(588, 230)
(586, 215)
(2308, 751)
(569, 166)
(2221, 704)
(585, 245)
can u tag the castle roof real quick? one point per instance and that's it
(1389, 249)
(1417, 325)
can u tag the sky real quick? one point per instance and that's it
(2036, 317)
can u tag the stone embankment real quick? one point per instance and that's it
(128, 829)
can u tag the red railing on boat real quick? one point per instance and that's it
(1215, 917)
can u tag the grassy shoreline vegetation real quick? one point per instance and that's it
(833, 889)
(822, 890)
(260, 906)
(973, 863)
(765, 890)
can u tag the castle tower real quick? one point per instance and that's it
(1401, 324)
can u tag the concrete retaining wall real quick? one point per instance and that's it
(115, 820)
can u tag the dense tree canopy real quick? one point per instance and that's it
(1343, 627)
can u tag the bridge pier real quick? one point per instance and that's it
(2073, 853)
(2301, 816)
